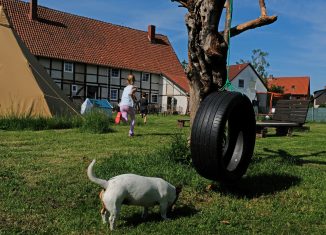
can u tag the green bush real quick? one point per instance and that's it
(179, 150)
(97, 121)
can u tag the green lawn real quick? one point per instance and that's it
(44, 188)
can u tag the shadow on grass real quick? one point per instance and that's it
(178, 212)
(259, 185)
(291, 159)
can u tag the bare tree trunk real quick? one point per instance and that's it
(194, 98)
(207, 51)
(207, 48)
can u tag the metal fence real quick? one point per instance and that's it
(316, 114)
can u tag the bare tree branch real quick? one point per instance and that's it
(227, 21)
(184, 3)
(262, 8)
(261, 21)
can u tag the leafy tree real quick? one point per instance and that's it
(276, 89)
(184, 64)
(259, 62)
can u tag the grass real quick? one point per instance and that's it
(44, 188)
(39, 123)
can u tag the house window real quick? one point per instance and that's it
(145, 77)
(241, 83)
(68, 67)
(154, 98)
(74, 89)
(114, 94)
(115, 73)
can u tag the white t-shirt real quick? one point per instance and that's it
(126, 96)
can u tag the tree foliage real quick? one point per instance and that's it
(276, 89)
(259, 62)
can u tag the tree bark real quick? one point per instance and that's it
(207, 48)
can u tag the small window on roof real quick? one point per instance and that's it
(68, 67)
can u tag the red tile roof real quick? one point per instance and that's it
(292, 85)
(234, 70)
(70, 37)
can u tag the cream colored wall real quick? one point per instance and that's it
(160, 85)
(90, 70)
(169, 89)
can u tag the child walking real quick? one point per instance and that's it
(127, 103)
(144, 107)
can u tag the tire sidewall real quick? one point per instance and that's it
(209, 157)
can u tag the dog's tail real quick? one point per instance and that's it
(92, 177)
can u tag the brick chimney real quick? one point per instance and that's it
(33, 10)
(151, 33)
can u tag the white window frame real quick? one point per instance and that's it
(152, 100)
(243, 83)
(113, 75)
(68, 67)
(117, 94)
(145, 77)
(74, 88)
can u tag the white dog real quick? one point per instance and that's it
(130, 189)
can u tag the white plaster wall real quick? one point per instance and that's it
(252, 83)
(170, 89)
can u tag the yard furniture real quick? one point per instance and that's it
(181, 122)
(289, 114)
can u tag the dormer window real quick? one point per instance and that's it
(68, 67)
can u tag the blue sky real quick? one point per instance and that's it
(296, 42)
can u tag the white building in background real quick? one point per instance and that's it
(246, 80)
(88, 58)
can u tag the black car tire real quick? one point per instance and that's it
(223, 136)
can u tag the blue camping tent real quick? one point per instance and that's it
(102, 104)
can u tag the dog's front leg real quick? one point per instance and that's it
(145, 212)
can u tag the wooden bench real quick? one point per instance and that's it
(288, 114)
(181, 122)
